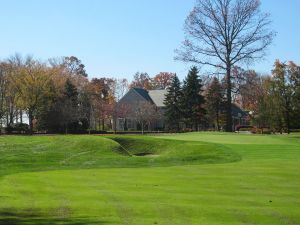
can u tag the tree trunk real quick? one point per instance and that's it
(217, 118)
(21, 116)
(102, 124)
(228, 102)
(288, 121)
(11, 116)
(114, 124)
(7, 120)
(30, 117)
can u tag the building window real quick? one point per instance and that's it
(121, 123)
(129, 124)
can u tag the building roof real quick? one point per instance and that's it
(237, 111)
(143, 93)
(158, 97)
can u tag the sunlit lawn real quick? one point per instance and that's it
(196, 178)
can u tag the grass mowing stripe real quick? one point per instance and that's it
(187, 180)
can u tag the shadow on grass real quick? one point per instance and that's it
(30, 217)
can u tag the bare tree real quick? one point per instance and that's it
(223, 33)
(145, 114)
(120, 88)
(3, 90)
(12, 99)
(119, 111)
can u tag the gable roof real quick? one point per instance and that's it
(144, 93)
(237, 111)
(158, 97)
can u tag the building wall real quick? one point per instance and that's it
(131, 99)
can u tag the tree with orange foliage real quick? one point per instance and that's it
(141, 80)
(163, 80)
(102, 98)
(34, 85)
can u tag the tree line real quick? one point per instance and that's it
(221, 35)
(57, 96)
(271, 101)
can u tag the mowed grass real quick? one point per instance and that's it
(196, 178)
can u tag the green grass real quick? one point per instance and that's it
(185, 179)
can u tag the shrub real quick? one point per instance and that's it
(187, 130)
(243, 128)
(246, 129)
(295, 130)
(264, 130)
(17, 128)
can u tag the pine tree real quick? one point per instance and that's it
(71, 93)
(192, 101)
(173, 111)
(214, 101)
(69, 105)
(283, 92)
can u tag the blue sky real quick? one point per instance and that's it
(117, 38)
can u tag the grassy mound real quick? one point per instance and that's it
(160, 152)
(254, 147)
(42, 153)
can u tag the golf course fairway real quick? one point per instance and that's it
(180, 179)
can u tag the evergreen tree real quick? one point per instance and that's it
(69, 106)
(283, 92)
(192, 101)
(71, 93)
(172, 101)
(294, 72)
(214, 101)
(63, 113)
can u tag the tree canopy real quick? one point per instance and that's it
(223, 33)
